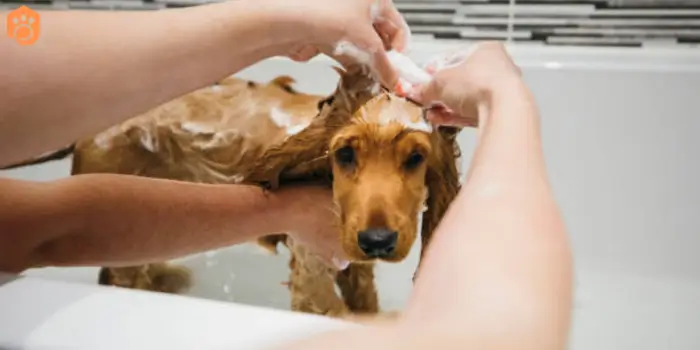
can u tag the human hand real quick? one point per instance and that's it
(311, 218)
(351, 31)
(460, 92)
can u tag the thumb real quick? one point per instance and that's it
(427, 94)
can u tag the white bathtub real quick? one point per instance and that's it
(618, 131)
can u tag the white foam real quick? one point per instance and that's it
(221, 138)
(396, 114)
(407, 69)
(197, 128)
(421, 125)
(346, 48)
(376, 88)
(286, 121)
(148, 141)
(103, 140)
(237, 178)
(425, 200)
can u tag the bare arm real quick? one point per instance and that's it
(90, 71)
(113, 219)
(498, 273)
(499, 268)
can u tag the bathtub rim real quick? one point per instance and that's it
(656, 59)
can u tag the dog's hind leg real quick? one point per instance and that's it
(356, 284)
(312, 285)
(158, 277)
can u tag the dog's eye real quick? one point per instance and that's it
(414, 160)
(345, 156)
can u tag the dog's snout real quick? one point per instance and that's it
(377, 242)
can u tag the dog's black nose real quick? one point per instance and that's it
(377, 242)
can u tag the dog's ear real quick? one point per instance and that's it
(300, 154)
(442, 182)
(285, 82)
(355, 87)
(341, 72)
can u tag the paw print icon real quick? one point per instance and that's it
(24, 25)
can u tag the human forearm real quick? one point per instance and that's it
(88, 72)
(499, 264)
(113, 219)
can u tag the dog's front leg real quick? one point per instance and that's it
(312, 285)
(157, 277)
(356, 284)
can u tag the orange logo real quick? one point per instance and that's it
(23, 25)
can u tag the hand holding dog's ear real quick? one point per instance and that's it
(460, 91)
(351, 31)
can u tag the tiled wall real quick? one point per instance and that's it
(633, 23)
(560, 22)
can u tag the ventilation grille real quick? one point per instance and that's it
(628, 23)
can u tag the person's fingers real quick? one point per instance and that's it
(384, 70)
(379, 63)
(439, 116)
(387, 31)
(397, 29)
(429, 93)
(304, 53)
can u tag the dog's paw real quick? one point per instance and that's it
(171, 279)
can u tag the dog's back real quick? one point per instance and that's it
(211, 135)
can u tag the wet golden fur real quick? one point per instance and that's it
(225, 134)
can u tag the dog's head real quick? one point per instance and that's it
(381, 156)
